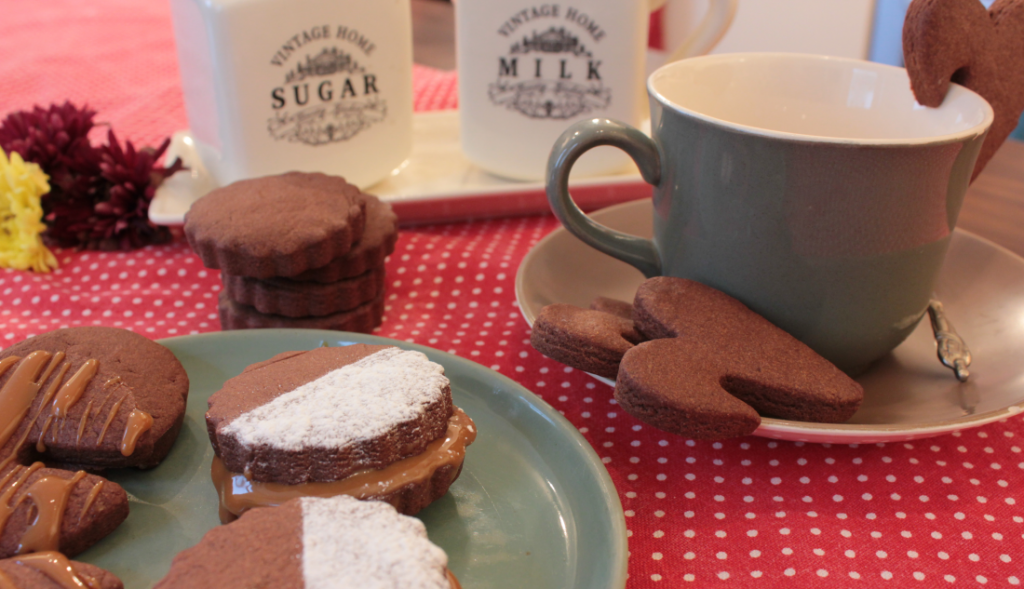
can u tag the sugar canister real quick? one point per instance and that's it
(312, 85)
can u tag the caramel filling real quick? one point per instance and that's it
(49, 496)
(54, 565)
(238, 493)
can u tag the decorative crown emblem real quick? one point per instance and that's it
(552, 41)
(329, 61)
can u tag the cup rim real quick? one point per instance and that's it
(959, 136)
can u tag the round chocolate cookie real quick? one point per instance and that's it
(313, 542)
(362, 319)
(276, 225)
(377, 243)
(291, 298)
(94, 397)
(104, 398)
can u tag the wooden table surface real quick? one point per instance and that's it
(994, 206)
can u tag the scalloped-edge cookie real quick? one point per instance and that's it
(314, 543)
(276, 225)
(362, 319)
(377, 243)
(291, 298)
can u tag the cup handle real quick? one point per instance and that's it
(709, 32)
(574, 142)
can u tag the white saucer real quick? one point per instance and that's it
(907, 395)
(437, 183)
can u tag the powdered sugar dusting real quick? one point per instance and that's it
(355, 402)
(367, 544)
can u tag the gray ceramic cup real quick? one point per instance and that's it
(814, 189)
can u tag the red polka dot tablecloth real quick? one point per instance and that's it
(749, 512)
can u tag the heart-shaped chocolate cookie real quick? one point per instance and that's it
(962, 42)
(713, 366)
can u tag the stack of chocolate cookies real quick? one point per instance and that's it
(300, 250)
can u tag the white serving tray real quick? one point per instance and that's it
(437, 183)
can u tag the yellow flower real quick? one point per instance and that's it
(21, 215)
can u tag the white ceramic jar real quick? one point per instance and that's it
(527, 70)
(313, 85)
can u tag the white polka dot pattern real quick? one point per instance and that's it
(740, 513)
(745, 512)
(158, 291)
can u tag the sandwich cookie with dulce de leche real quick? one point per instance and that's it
(373, 422)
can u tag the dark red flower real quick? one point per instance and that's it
(119, 216)
(56, 138)
(99, 196)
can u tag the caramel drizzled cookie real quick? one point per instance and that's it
(593, 341)
(276, 225)
(52, 570)
(94, 397)
(314, 543)
(97, 397)
(720, 356)
(374, 422)
(49, 509)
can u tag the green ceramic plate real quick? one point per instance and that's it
(534, 506)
